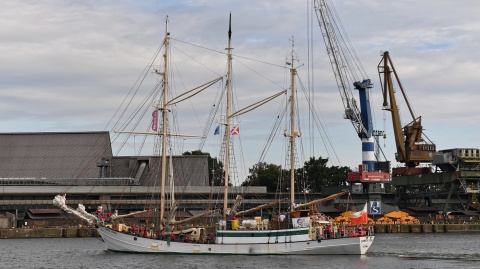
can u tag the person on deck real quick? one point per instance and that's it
(161, 234)
(181, 237)
(211, 238)
(328, 231)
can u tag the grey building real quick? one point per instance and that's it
(34, 167)
(85, 156)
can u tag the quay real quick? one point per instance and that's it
(426, 228)
(57, 232)
(74, 232)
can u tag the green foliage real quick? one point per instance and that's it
(312, 177)
(263, 174)
(317, 175)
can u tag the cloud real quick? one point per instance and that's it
(67, 65)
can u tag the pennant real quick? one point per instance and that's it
(155, 120)
(360, 217)
(235, 130)
(217, 130)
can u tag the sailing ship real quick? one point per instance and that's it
(299, 231)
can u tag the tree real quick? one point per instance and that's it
(263, 174)
(215, 168)
(338, 175)
(317, 175)
(313, 177)
(314, 174)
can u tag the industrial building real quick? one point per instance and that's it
(34, 167)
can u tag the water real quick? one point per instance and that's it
(388, 251)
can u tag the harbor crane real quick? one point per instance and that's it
(460, 167)
(345, 65)
(413, 146)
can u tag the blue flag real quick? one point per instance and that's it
(217, 130)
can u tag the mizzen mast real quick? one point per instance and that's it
(293, 133)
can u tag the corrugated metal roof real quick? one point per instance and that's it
(45, 214)
(45, 211)
(52, 155)
(76, 155)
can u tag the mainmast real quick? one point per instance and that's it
(227, 124)
(164, 124)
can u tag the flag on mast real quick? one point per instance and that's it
(360, 217)
(235, 130)
(155, 120)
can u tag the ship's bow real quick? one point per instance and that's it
(365, 243)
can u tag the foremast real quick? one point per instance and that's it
(164, 110)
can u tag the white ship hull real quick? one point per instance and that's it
(278, 245)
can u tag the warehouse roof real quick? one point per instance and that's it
(88, 156)
(52, 155)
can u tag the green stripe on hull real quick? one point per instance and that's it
(261, 233)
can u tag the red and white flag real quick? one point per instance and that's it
(155, 120)
(360, 217)
(235, 130)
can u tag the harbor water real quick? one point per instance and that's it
(433, 250)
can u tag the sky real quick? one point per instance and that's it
(66, 66)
